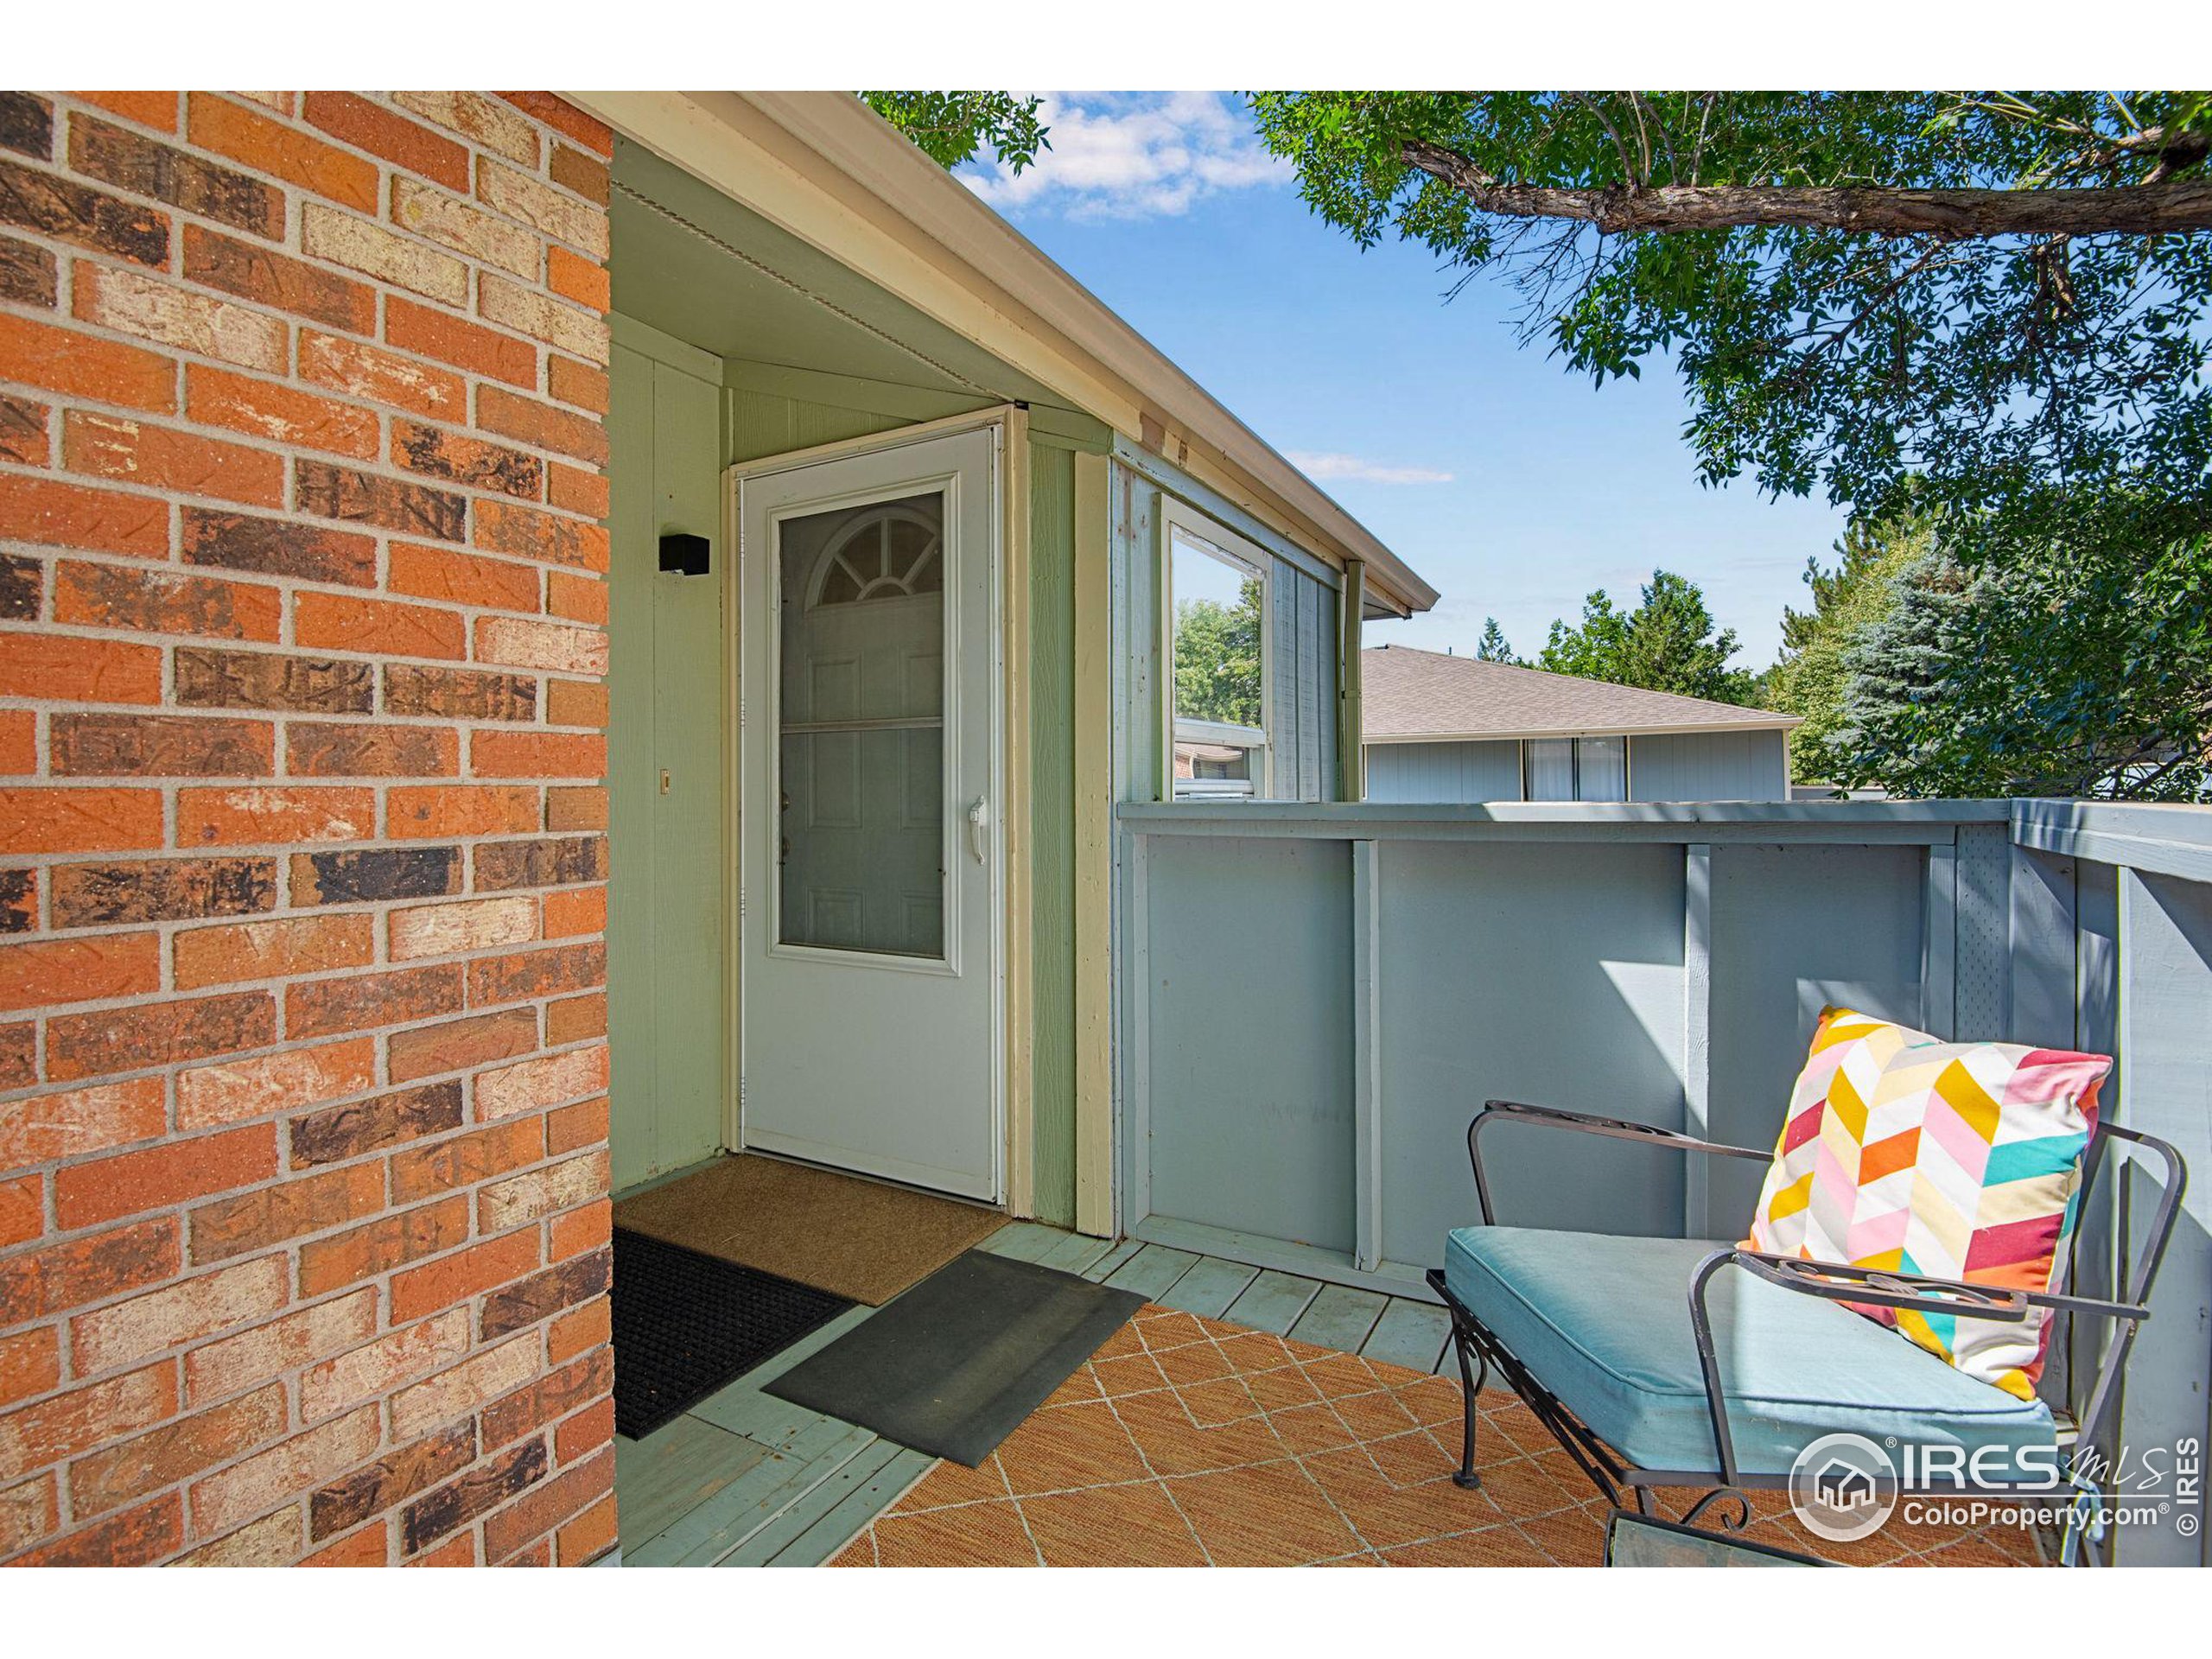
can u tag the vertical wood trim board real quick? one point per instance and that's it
(1697, 1030)
(1940, 943)
(1367, 1055)
(1051, 829)
(1351, 680)
(1094, 830)
(1013, 811)
(1136, 1103)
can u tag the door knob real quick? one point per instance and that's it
(979, 823)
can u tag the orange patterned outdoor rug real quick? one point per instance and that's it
(1186, 1442)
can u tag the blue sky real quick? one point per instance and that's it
(1513, 486)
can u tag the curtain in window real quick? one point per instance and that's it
(1551, 769)
(1601, 766)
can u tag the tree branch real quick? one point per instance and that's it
(2138, 210)
(2174, 150)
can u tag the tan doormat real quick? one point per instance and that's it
(854, 1238)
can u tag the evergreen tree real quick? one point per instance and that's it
(1810, 678)
(1493, 647)
(2058, 675)
(1893, 725)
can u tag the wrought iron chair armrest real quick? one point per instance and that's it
(1716, 1399)
(1611, 1129)
(1839, 1283)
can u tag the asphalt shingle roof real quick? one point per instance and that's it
(1409, 695)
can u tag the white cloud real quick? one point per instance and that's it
(1133, 155)
(1318, 464)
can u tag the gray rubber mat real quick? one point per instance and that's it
(952, 1366)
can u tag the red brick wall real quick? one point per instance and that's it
(303, 1171)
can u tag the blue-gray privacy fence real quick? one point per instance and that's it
(1315, 999)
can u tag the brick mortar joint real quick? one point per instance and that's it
(76, 259)
(73, 258)
(295, 1429)
(379, 416)
(299, 1302)
(476, 152)
(301, 1044)
(381, 465)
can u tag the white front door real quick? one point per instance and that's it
(870, 964)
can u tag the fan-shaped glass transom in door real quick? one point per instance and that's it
(890, 552)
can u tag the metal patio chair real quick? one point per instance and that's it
(1588, 1329)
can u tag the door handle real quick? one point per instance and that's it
(979, 823)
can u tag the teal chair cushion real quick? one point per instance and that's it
(1604, 1323)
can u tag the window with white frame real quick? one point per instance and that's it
(1574, 769)
(1215, 600)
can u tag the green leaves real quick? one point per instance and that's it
(1812, 679)
(2049, 387)
(1666, 644)
(1217, 659)
(2021, 425)
(2055, 674)
(955, 127)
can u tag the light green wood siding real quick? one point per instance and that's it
(762, 423)
(1135, 546)
(666, 995)
(1052, 827)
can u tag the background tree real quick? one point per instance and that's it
(1492, 648)
(1595, 649)
(1217, 659)
(1892, 724)
(2046, 677)
(1992, 307)
(955, 127)
(1811, 678)
(1668, 642)
(2005, 295)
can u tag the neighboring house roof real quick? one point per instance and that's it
(1425, 697)
(826, 168)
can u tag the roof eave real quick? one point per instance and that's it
(1771, 723)
(828, 170)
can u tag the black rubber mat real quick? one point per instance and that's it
(952, 1366)
(687, 1323)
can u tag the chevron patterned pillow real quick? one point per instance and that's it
(1954, 1160)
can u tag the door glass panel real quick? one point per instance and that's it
(860, 720)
